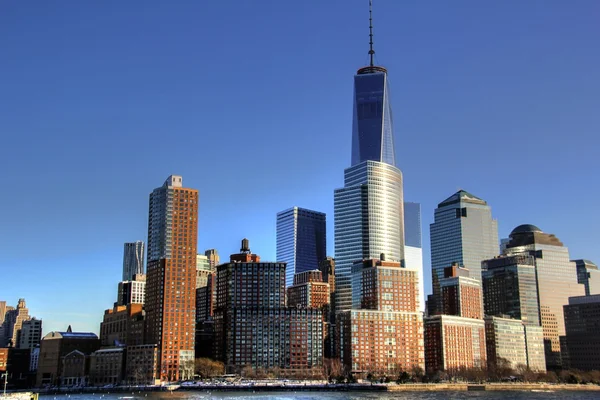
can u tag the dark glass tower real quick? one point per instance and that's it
(301, 240)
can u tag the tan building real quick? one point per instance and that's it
(141, 364)
(460, 295)
(13, 321)
(383, 333)
(123, 325)
(171, 277)
(55, 346)
(454, 342)
(107, 366)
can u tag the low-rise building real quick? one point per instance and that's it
(107, 366)
(141, 364)
(75, 369)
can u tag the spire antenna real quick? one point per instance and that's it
(371, 51)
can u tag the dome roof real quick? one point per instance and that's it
(526, 228)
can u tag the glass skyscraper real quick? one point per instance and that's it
(369, 209)
(133, 260)
(464, 232)
(413, 249)
(301, 240)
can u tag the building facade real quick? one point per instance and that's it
(107, 366)
(556, 279)
(170, 301)
(460, 294)
(301, 240)
(141, 364)
(123, 325)
(203, 270)
(13, 321)
(413, 245)
(30, 334)
(133, 291)
(582, 328)
(510, 288)
(309, 291)
(588, 275)
(452, 343)
(464, 232)
(133, 260)
(505, 339)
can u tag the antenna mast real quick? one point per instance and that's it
(371, 51)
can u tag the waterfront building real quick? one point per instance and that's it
(301, 240)
(588, 275)
(413, 245)
(253, 327)
(133, 260)
(460, 294)
(369, 209)
(141, 364)
(18, 369)
(464, 232)
(505, 338)
(170, 301)
(123, 325)
(383, 333)
(53, 365)
(30, 335)
(509, 288)
(534, 343)
(133, 291)
(452, 343)
(75, 369)
(107, 366)
(556, 278)
(582, 332)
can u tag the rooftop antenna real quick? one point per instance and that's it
(371, 51)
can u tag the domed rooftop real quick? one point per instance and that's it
(526, 228)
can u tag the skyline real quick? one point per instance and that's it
(109, 204)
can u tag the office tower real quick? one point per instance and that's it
(55, 347)
(460, 294)
(582, 322)
(213, 258)
(556, 281)
(463, 232)
(203, 270)
(509, 288)
(170, 302)
(30, 334)
(588, 275)
(413, 247)
(503, 243)
(133, 291)
(301, 240)
(452, 343)
(133, 260)
(383, 333)
(252, 325)
(123, 326)
(309, 291)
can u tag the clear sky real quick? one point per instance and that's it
(251, 102)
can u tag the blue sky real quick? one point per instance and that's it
(251, 102)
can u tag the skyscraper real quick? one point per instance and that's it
(413, 247)
(301, 240)
(369, 209)
(556, 278)
(133, 260)
(588, 275)
(463, 232)
(171, 278)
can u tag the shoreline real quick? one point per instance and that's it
(358, 387)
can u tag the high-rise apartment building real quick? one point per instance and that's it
(384, 330)
(460, 294)
(589, 276)
(309, 291)
(582, 328)
(413, 245)
(464, 232)
(133, 260)
(301, 240)
(133, 291)
(253, 327)
(556, 278)
(510, 288)
(170, 302)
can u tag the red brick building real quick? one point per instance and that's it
(309, 290)
(123, 325)
(461, 295)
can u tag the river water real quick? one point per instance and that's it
(203, 395)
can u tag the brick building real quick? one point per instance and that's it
(460, 295)
(123, 325)
(141, 364)
(107, 366)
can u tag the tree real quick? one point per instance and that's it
(333, 368)
(403, 378)
(207, 368)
